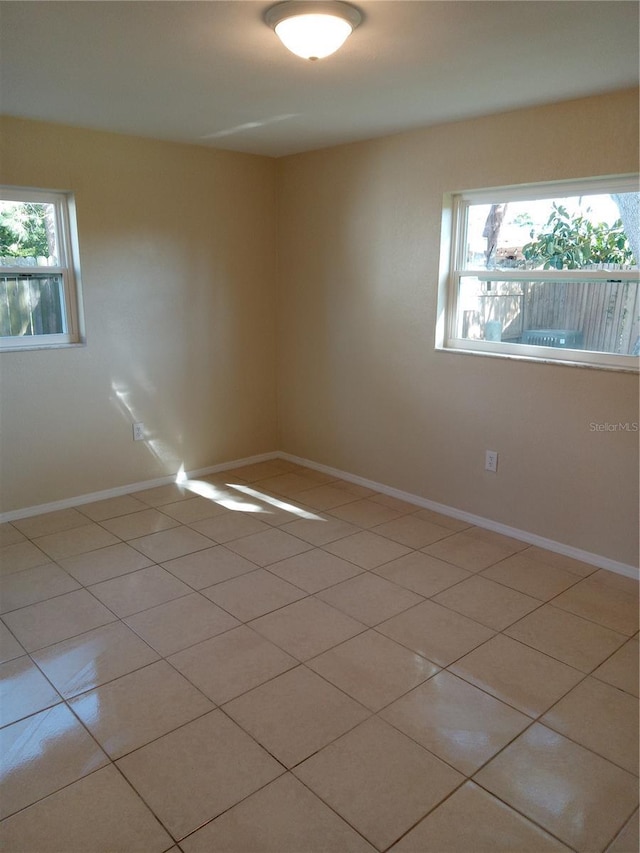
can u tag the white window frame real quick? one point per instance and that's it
(452, 270)
(68, 268)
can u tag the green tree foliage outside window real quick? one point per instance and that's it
(572, 241)
(23, 230)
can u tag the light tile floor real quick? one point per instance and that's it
(273, 660)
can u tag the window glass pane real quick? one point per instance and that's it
(597, 316)
(28, 234)
(31, 305)
(576, 232)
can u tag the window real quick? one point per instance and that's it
(39, 270)
(546, 272)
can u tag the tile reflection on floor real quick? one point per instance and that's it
(270, 659)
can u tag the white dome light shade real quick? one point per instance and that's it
(313, 30)
(313, 36)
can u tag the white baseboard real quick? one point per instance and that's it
(477, 520)
(66, 503)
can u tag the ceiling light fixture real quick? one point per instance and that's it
(312, 29)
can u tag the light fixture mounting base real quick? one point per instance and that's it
(291, 8)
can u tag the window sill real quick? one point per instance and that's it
(538, 359)
(43, 346)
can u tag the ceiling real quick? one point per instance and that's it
(212, 73)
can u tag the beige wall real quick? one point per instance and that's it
(178, 251)
(360, 385)
(178, 265)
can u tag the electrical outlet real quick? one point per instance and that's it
(138, 432)
(491, 461)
